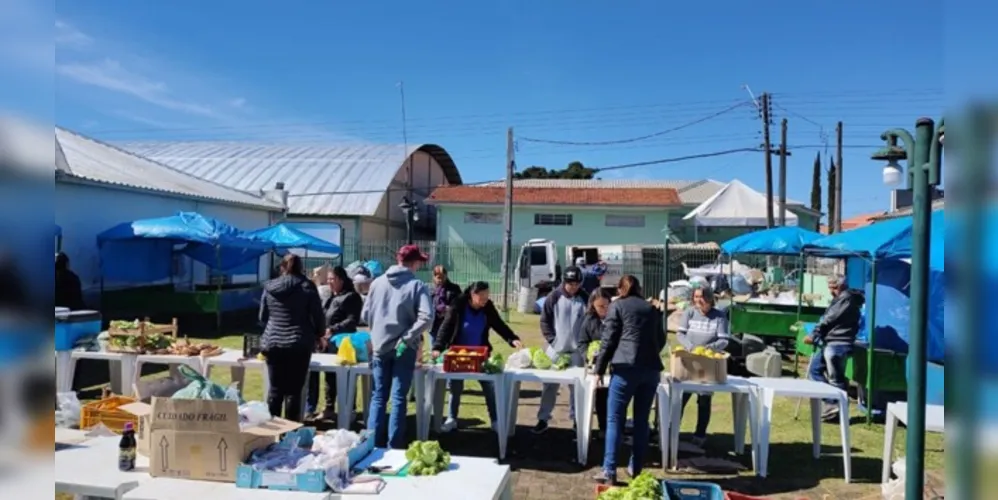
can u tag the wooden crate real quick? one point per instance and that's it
(465, 363)
(106, 411)
(145, 329)
(684, 366)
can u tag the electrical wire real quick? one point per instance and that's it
(639, 138)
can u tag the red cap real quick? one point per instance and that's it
(409, 253)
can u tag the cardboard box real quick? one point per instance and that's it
(685, 366)
(199, 439)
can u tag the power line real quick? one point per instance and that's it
(639, 138)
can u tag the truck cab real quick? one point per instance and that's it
(538, 263)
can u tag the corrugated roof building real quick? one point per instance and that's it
(356, 186)
(99, 186)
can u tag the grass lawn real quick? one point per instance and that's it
(792, 469)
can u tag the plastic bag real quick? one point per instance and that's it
(68, 409)
(202, 388)
(254, 413)
(740, 285)
(519, 360)
(346, 352)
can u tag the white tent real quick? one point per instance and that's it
(736, 205)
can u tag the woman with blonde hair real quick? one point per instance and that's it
(633, 338)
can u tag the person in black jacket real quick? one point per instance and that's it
(633, 338)
(294, 325)
(68, 290)
(592, 331)
(342, 310)
(833, 338)
(443, 296)
(467, 324)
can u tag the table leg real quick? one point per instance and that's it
(237, 374)
(345, 413)
(844, 430)
(126, 374)
(765, 421)
(590, 404)
(580, 392)
(419, 383)
(753, 417)
(738, 413)
(676, 407)
(664, 429)
(501, 417)
(114, 374)
(344, 405)
(439, 392)
(816, 427)
(65, 366)
(890, 427)
(513, 400)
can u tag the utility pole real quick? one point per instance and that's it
(507, 242)
(838, 178)
(783, 172)
(407, 201)
(767, 146)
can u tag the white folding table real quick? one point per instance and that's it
(573, 377)
(196, 363)
(330, 363)
(436, 388)
(121, 368)
(182, 489)
(769, 388)
(744, 408)
(89, 469)
(935, 421)
(238, 364)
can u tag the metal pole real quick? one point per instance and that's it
(838, 178)
(667, 233)
(507, 242)
(767, 145)
(871, 318)
(783, 172)
(921, 228)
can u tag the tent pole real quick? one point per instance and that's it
(872, 318)
(218, 293)
(800, 308)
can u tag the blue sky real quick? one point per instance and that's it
(579, 71)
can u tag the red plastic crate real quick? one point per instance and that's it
(472, 362)
(731, 495)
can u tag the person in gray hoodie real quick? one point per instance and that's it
(561, 323)
(293, 326)
(398, 312)
(704, 325)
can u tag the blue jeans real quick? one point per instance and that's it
(627, 383)
(703, 412)
(392, 377)
(456, 388)
(828, 365)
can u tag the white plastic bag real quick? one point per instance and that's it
(519, 359)
(254, 413)
(67, 414)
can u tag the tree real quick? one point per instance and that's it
(816, 184)
(832, 172)
(574, 170)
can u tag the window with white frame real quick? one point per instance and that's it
(552, 219)
(637, 220)
(482, 218)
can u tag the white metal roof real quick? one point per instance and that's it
(84, 158)
(319, 179)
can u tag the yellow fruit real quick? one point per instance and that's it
(699, 350)
(261, 357)
(679, 348)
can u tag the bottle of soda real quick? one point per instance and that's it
(126, 448)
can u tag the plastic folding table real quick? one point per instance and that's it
(121, 369)
(237, 368)
(436, 389)
(573, 377)
(935, 421)
(744, 408)
(88, 469)
(769, 388)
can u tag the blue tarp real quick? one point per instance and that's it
(142, 251)
(58, 231)
(890, 239)
(775, 241)
(283, 236)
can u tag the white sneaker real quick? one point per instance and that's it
(449, 425)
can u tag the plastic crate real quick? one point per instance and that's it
(731, 495)
(107, 412)
(690, 490)
(465, 363)
(251, 344)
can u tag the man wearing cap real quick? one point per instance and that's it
(561, 319)
(833, 339)
(398, 311)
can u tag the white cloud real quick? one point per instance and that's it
(238, 102)
(66, 36)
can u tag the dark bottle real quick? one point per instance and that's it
(126, 449)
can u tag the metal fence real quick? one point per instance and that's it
(467, 263)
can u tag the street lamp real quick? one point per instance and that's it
(411, 215)
(923, 153)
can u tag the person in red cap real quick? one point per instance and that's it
(398, 311)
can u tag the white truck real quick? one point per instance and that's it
(538, 261)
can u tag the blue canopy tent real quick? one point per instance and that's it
(142, 251)
(776, 241)
(285, 237)
(877, 256)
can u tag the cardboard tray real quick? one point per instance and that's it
(685, 366)
(313, 481)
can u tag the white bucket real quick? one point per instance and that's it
(526, 300)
